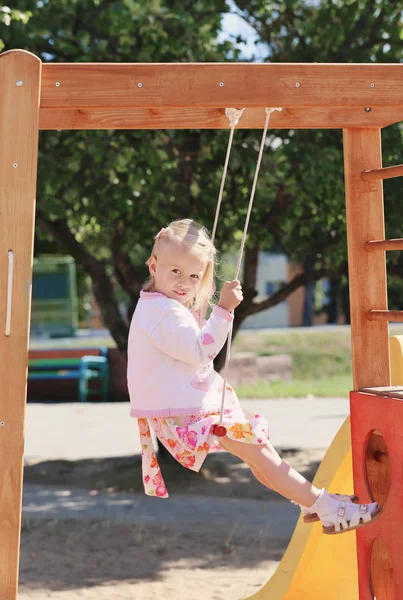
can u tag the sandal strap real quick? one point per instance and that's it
(342, 497)
(341, 516)
(362, 512)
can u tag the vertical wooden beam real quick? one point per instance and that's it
(20, 77)
(367, 270)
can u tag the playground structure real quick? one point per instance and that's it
(361, 99)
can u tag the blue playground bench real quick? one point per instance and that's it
(84, 364)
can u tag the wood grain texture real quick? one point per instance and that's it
(101, 85)
(382, 577)
(387, 316)
(385, 173)
(19, 116)
(382, 245)
(214, 118)
(367, 270)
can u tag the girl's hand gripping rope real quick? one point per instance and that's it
(231, 295)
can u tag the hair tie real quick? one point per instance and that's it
(159, 234)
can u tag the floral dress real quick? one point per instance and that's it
(189, 439)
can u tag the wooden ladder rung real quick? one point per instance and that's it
(385, 173)
(386, 315)
(373, 245)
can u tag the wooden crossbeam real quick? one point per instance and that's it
(215, 118)
(385, 173)
(212, 85)
(374, 245)
(386, 315)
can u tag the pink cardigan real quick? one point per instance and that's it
(170, 359)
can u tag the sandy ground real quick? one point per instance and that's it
(105, 559)
(97, 561)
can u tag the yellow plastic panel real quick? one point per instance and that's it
(317, 566)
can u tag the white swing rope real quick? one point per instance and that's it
(233, 114)
(240, 255)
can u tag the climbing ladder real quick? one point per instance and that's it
(376, 408)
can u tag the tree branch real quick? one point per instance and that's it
(296, 282)
(101, 284)
(125, 272)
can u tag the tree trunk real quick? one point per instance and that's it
(345, 302)
(125, 272)
(101, 283)
(334, 299)
(105, 298)
(307, 316)
(251, 259)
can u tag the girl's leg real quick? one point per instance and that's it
(274, 472)
(263, 480)
(337, 516)
(259, 476)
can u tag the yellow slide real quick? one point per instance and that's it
(307, 569)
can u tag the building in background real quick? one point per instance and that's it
(273, 271)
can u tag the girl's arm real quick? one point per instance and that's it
(179, 336)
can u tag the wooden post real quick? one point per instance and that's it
(370, 346)
(20, 76)
(367, 270)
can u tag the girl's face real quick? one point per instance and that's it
(177, 274)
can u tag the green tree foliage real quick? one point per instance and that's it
(8, 14)
(104, 194)
(311, 217)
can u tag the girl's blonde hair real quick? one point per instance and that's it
(188, 234)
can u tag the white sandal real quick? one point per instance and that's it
(338, 516)
(312, 517)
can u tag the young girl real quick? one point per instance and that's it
(174, 389)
